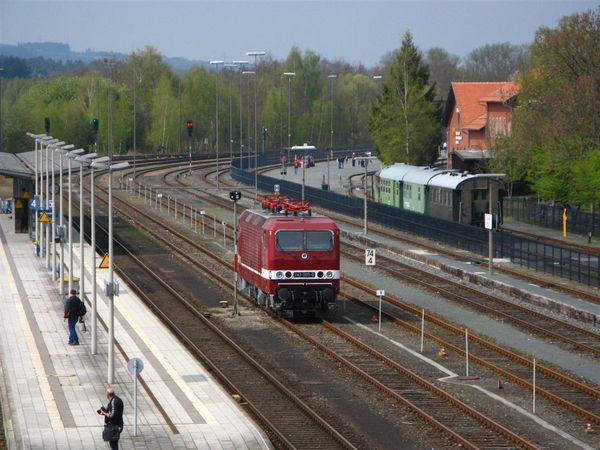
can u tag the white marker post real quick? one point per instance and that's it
(533, 400)
(202, 214)
(135, 366)
(224, 234)
(380, 293)
(467, 350)
(422, 329)
(159, 201)
(215, 227)
(370, 256)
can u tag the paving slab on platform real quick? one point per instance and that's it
(51, 391)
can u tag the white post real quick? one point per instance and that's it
(168, 206)
(235, 256)
(379, 321)
(41, 226)
(214, 226)
(47, 201)
(70, 233)
(62, 240)
(467, 350)
(202, 215)
(533, 400)
(422, 329)
(196, 221)
(93, 260)
(37, 194)
(135, 397)
(111, 296)
(224, 234)
(81, 235)
(175, 200)
(53, 222)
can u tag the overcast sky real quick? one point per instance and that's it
(356, 31)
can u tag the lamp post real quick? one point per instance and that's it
(49, 226)
(230, 65)
(89, 159)
(248, 72)
(366, 160)
(82, 160)
(331, 78)
(71, 155)
(111, 281)
(57, 149)
(39, 138)
(256, 55)
(289, 75)
(216, 64)
(136, 79)
(61, 151)
(241, 65)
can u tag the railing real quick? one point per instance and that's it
(565, 263)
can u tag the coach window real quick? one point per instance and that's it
(319, 240)
(289, 241)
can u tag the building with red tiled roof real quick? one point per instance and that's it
(476, 114)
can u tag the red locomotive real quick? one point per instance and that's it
(289, 259)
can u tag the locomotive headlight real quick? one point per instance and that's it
(279, 275)
(288, 274)
(320, 274)
(329, 274)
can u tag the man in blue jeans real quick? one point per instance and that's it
(73, 307)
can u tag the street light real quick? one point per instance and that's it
(331, 78)
(366, 160)
(61, 151)
(230, 65)
(111, 280)
(89, 158)
(47, 227)
(38, 138)
(56, 148)
(216, 64)
(248, 72)
(241, 65)
(289, 75)
(71, 155)
(42, 203)
(302, 149)
(256, 55)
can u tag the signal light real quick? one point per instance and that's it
(47, 124)
(95, 125)
(190, 127)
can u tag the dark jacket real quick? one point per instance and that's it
(115, 408)
(72, 307)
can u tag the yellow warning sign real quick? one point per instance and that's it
(104, 262)
(44, 218)
(18, 203)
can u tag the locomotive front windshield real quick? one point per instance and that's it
(296, 241)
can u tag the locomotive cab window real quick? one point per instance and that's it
(296, 241)
(319, 240)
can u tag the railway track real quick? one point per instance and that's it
(275, 406)
(489, 431)
(554, 241)
(563, 390)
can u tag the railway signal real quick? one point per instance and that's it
(47, 124)
(234, 196)
(95, 126)
(190, 127)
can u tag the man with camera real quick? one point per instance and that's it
(113, 419)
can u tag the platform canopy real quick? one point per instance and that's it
(22, 165)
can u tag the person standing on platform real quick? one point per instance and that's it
(73, 310)
(113, 418)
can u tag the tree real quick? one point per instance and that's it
(557, 121)
(405, 123)
(495, 62)
(443, 69)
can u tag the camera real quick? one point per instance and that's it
(101, 410)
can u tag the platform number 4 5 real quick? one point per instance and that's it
(370, 256)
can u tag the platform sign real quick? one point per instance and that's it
(488, 221)
(202, 212)
(44, 218)
(276, 188)
(380, 292)
(104, 263)
(370, 256)
(135, 366)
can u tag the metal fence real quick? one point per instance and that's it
(565, 263)
(551, 216)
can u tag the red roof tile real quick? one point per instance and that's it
(471, 99)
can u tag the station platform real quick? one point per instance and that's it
(50, 391)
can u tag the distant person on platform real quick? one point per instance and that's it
(74, 309)
(113, 418)
(25, 197)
